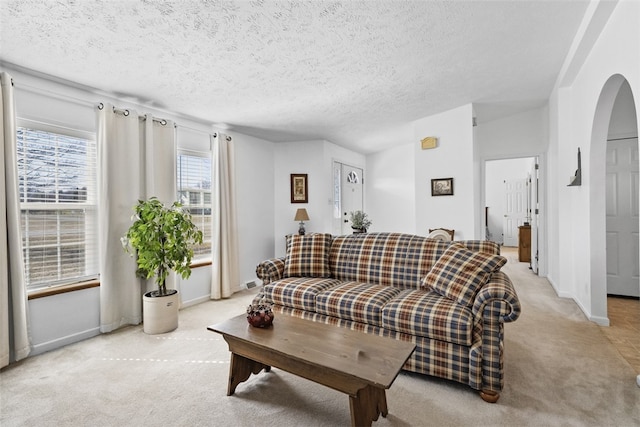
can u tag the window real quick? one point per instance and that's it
(194, 192)
(57, 184)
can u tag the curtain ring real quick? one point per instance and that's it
(100, 106)
(228, 138)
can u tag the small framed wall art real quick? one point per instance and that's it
(442, 187)
(299, 188)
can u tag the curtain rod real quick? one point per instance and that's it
(126, 112)
(215, 135)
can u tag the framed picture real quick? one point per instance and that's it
(299, 188)
(442, 187)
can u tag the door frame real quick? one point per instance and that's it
(542, 202)
(336, 223)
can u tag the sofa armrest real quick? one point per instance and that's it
(495, 304)
(498, 289)
(270, 270)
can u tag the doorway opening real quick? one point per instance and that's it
(614, 205)
(348, 195)
(512, 206)
(615, 133)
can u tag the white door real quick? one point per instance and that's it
(348, 191)
(534, 207)
(622, 217)
(516, 202)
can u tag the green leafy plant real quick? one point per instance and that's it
(161, 238)
(359, 220)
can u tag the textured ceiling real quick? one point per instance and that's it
(355, 73)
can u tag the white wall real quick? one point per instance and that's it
(580, 108)
(390, 190)
(520, 135)
(398, 188)
(255, 201)
(315, 159)
(297, 158)
(452, 158)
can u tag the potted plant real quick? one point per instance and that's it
(161, 238)
(360, 222)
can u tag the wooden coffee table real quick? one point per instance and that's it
(358, 364)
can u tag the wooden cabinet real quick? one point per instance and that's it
(524, 243)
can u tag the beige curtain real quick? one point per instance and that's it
(136, 160)
(14, 330)
(224, 246)
(159, 166)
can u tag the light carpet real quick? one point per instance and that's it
(560, 370)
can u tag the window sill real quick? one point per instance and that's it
(63, 289)
(201, 263)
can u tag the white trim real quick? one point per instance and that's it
(63, 341)
(53, 128)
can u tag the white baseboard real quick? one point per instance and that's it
(602, 321)
(195, 301)
(61, 342)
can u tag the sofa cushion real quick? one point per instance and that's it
(360, 302)
(392, 259)
(428, 314)
(307, 255)
(459, 273)
(297, 292)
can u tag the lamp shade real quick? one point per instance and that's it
(301, 215)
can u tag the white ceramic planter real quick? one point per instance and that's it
(160, 314)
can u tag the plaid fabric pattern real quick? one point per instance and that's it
(459, 273)
(360, 302)
(428, 314)
(496, 303)
(431, 357)
(484, 246)
(307, 255)
(270, 270)
(390, 259)
(297, 292)
(499, 288)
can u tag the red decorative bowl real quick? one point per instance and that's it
(260, 316)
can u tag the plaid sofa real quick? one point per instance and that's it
(449, 298)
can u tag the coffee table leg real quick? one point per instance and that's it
(367, 406)
(241, 369)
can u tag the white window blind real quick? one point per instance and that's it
(57, 184)
(194, 192)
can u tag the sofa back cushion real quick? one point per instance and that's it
(460, 272)
(392, 259)
(307, 255)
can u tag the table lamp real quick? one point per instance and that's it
(302, 216)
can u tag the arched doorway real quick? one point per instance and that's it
(598, 193)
